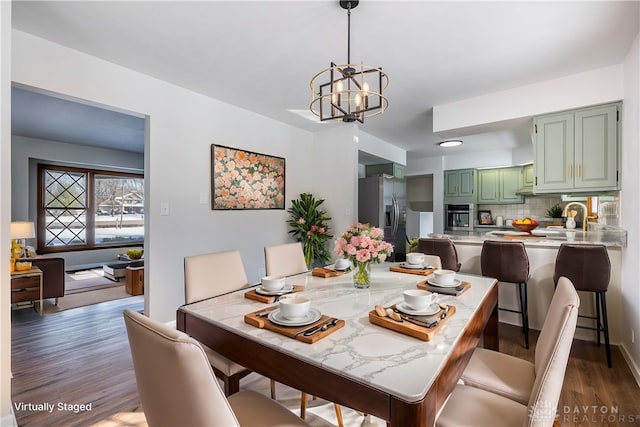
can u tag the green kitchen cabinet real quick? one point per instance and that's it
(459, 186)
(577, 151)
(394, 170)
(528, 174)
(500, 186)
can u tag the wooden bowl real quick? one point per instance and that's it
(525, 227)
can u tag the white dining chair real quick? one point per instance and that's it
(287, 260)
(433, 261)
(500, 401)
(284, 260)
(177, 386)
(207, 276)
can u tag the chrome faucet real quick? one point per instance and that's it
(584, 213)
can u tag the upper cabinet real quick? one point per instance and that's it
(459, 186)
(496, 186)
(388, 169)
(577, 151)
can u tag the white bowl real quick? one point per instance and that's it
(273, 283)
(444, 277)
(418, 299)
(342, 264)
(294, 307)
(415, 258)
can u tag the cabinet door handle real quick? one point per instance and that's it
(571, 169)
(578, 170)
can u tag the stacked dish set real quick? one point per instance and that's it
(444, 282)
(293, 316)
(415, 261)
(419, 315)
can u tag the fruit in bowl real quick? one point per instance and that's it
(526, 224)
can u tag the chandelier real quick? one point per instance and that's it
(350, 92)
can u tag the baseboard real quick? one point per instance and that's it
(9, 420)
(631, 363)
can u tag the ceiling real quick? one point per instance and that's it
(261, 55)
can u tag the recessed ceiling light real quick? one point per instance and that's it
(450, 143)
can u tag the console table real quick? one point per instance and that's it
(27, 286)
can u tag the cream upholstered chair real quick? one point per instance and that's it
(433, 261)
(178, 388)
(509, 402)
(207, 276)
(284, 260)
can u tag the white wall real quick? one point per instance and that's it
(578, 90)
(182, 126)
(335, 172)
(6, 416)
(380, 148)
(434, 166)
(630, 205)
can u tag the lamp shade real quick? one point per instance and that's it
(23, 230)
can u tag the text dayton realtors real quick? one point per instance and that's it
(49, 407)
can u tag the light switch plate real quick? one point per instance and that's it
(164, 208)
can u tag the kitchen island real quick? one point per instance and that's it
(542, 249)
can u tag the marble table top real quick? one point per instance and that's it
(387, 360)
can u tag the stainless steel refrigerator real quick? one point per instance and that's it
(382, 203)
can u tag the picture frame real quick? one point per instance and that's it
(242, 179)
(484, 218)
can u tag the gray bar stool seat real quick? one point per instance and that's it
(508, 262)
(589, 268)
(444, 248)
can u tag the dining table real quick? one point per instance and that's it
(375, 370)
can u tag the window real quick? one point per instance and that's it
(80, 209)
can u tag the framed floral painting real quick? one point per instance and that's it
(242, 179)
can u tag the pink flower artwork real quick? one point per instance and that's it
(246, 180)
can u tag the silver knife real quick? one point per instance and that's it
(412, 319)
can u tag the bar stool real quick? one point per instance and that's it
(444, 248)
(508, 262)
(589, 268)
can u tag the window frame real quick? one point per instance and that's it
(90, 214)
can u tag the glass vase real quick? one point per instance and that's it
(362, 275)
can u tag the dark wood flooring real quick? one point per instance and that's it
(81, 356)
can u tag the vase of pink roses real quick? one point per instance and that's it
(362, 244)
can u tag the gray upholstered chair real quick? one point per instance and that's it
(207, 276)
(287, 260)
(501, 390)
(589, 268)
(442, 247)
(508, 262)
(178, 388)
(284, 260)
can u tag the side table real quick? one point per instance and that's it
(134, 280)
(27, 286)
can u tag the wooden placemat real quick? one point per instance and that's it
(295, 332)
(268, 299)
(420, 272)
(421, 332)
(457, 291)
(327, 272)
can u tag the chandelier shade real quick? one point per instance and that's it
(348, 92)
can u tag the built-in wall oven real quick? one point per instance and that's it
(458, 217)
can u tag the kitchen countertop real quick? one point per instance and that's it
(608, 236)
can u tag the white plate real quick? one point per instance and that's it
(312, 315)
(285, 290)
(432, 309)
(412, 266)
(455, 283)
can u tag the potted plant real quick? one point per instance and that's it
(309, 225)
(555, 212)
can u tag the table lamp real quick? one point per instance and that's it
(20, 230)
